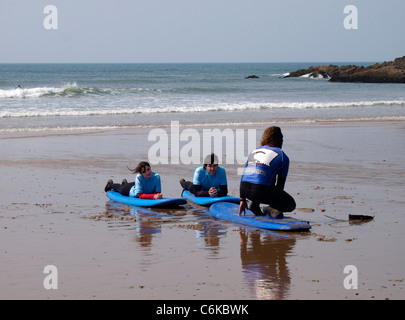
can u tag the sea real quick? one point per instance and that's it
(50, 97)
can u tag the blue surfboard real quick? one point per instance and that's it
(229, 211)
(207, 201)
(165, 202)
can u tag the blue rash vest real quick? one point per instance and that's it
(264, 164)
(206, 181)
(144, 185)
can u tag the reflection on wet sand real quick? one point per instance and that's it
(144, 221)
(146, 225)
(263, 256)
(263, 253)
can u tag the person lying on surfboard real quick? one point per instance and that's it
(147, 184)
(264, 177)
(209, 180)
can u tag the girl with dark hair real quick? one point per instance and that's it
(147, 184)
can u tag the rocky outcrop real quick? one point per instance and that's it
(252, 76)
(387, 72)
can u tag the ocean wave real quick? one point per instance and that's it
(26, 93)
(202, 124)
(310, 76)
(103, 111)
(71, 90)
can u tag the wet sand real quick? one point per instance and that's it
(54, 212)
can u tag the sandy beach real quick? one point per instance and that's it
(54, 212)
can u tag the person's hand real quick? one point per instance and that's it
(158, 195)
(213, 192)
(242, 208)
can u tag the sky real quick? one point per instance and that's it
(166, 31)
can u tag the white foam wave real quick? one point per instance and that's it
(280, 74)
(210, 124)
(20, 93)
(317, 77)
(66, 112)
(71, 90)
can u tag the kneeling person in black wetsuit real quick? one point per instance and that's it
(264, 177)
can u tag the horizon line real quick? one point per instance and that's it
(201, 62)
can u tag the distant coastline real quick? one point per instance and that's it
(386, 72)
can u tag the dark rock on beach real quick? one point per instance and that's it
(387, 72)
